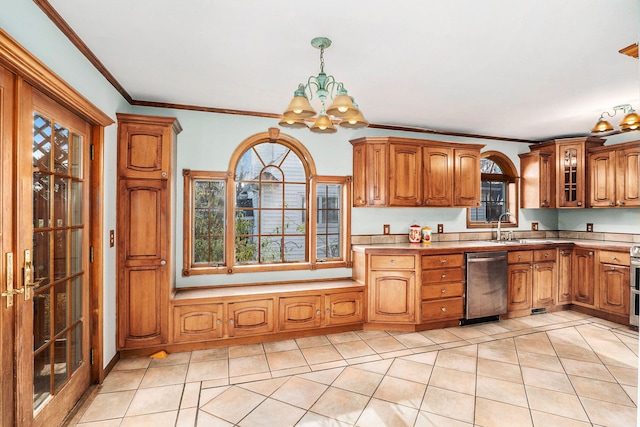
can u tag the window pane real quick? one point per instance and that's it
(208, 221)
(294, 248)
(329, 221)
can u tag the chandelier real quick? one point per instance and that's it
(343, 106)
(630, 122)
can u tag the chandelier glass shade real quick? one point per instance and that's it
(631, 120)
(323, 87)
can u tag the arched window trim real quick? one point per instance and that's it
(510, 176)
(313, 181)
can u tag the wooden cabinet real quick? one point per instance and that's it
(583, 276)
(442, 291)
(532, 279)
(545, 277)
(554, 173)
(392, 288)
(565, 295)
(145, 266)
(538, 179)
(437, 164)
(299, 312)
(405, 172)
(198, 322)
(466, 177)
(520, 280)
(613, 282)
(251, 317)
(614, 175)
(343, 308)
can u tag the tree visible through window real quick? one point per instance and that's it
(271, 210)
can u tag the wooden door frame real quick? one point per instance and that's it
(28, 69)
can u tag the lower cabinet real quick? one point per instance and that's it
(392, 289)
(442, 291)
(613, 280)
(545, 278)
(532, 279)
(193, 322)
(583, 276)
(565, 296)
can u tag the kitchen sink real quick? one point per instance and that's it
(520, 242)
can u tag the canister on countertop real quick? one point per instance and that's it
(414, 234)
(426, 234)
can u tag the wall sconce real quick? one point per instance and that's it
(630, 122)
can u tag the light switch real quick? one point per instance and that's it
(112, 238)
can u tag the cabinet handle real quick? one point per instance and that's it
(444, 261)
(590, 253)
(163, 262)
(393, 261)
(611, 204)
(579, 203)
(164, 174)
(327, 311)
(419, 202)
(444, 276)
(218, 322)
(231, 321)
(444, 291)
(318, 312)
(546, 254)
(561, 252)
(443, 309)
(620, 203)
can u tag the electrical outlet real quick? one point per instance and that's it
(534, 226)
(112, 238)
(440, 228)
(386, 229)
(590, 227)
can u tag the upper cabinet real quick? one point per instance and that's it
(554, 173)
(614, 175)
(413, 172)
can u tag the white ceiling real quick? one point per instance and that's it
(532, 69)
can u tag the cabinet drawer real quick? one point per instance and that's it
(438, 261)
(451, 308)
(617, 258)
(515, 257)
(389, 262)
(446, 290)
(540, 255)
(442, 275)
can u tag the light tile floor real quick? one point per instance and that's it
(555, 369)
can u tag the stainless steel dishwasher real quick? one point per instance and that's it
(486, 284)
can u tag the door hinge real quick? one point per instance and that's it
(90, 253)
(91, 357)
(92, 151)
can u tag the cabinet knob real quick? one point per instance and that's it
(362, 202)
(590, 253)
(579, 203)
(444, 261)
(218, 322)
(546, 254)
(444, 276)
(164, 174)
(327, 311)
(519, 256)
(443, 309)
(393, 261)
(561, 252)
(444, 291)
(620, 203)
(231, 321)
(419, 202)
(318, 312)
(613, 268)
(163, 262)
(413, 274)
(611, 204)
(614, 258)
(426, 202)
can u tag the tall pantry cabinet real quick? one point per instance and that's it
(145, 259)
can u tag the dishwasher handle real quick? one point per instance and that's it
(488, 257)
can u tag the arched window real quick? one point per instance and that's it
(271, 211)
(499, 185)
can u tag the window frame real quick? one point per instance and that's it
(229, 267)
(510, 176)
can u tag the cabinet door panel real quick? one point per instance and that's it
(438, 176)
(251, 317)
(628, 177)
(145, 150)
(344, 308)
(405, 173)
(583, 276)
(602, 185)
(565, 295)
(392, 296)
(545, 284)
(467, 178)
(299, 313)
(451, 308)
(377, 174)
(359, 178)
(614, 289)
(199, 322)
(519, 292)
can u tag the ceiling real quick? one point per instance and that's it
(529, 70)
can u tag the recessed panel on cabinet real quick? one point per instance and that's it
(299, 312)
(199, 322)
(250, 317)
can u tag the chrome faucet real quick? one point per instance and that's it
(500, 218)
